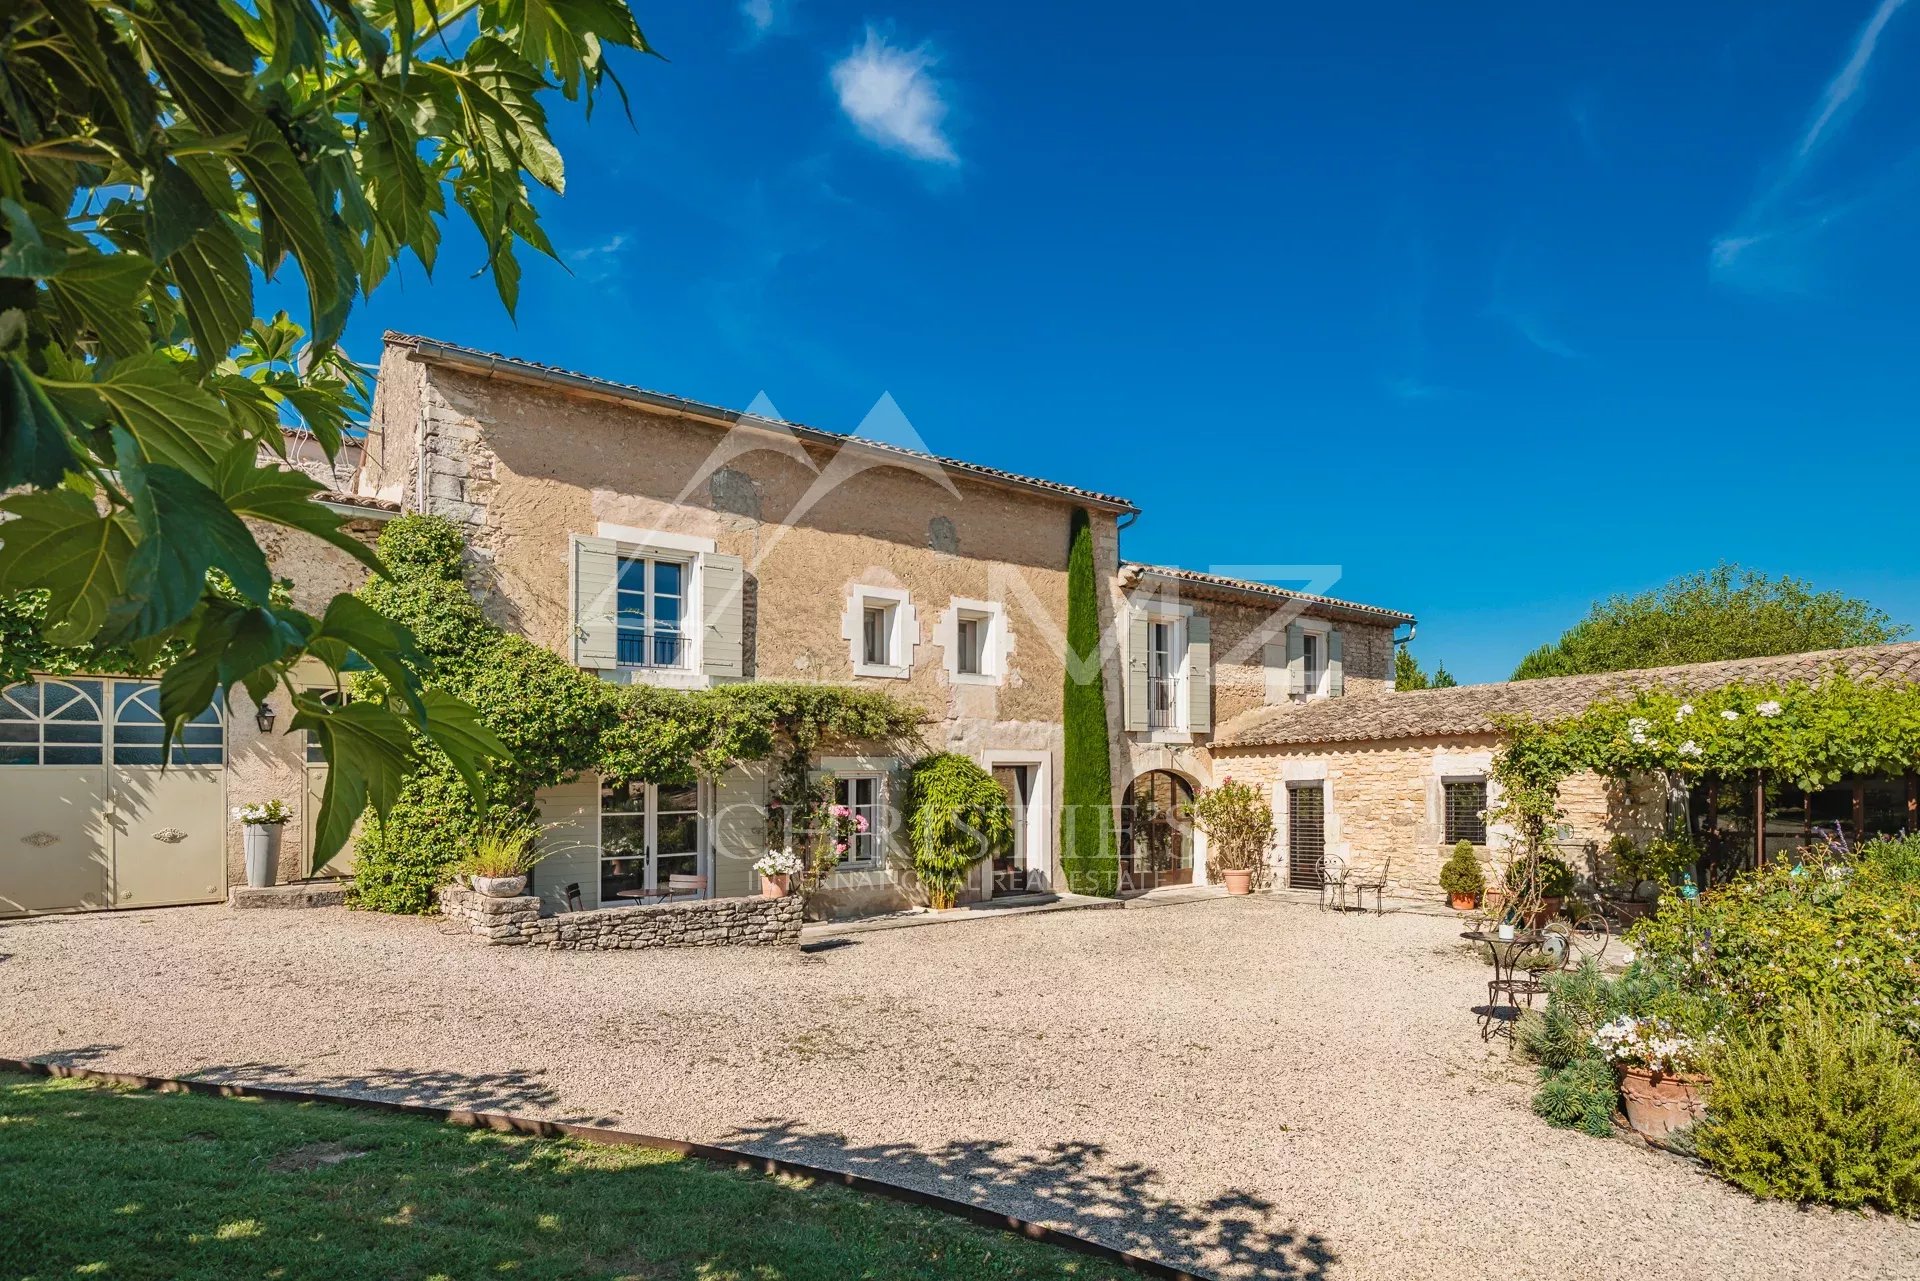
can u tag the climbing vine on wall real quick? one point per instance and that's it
(560, 721)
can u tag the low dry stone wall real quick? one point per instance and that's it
(715, 922)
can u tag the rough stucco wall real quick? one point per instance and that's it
(1241, 631)
(260, 766)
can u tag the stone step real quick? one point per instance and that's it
(301, 894)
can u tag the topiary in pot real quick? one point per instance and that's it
(1461, 877)
(957, 816)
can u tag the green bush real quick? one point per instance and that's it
(1822, 1105)
(1579, 1096)
(1847, 935)
(1089, 853)
(1891, 860)
(957, 816)
(1555, 878)
(1461, 873)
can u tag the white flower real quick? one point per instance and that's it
(1768, 708)
(1686, 710)
(1689, 748)
(1638, 724)
(1729, 715)
(779, 863)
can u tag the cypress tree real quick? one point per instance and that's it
(1088, 855)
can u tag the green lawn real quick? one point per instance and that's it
(101, 1182)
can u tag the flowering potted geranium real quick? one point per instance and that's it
(777, 869)
(260, 825)
(1660, 1072)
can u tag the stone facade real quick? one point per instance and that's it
(1384, 807)
(717, 922)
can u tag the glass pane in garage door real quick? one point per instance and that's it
(139, 734)
(51, 722)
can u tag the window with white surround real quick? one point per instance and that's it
(1165, 702)
(651, 611)
(974, 635)
(879, 628)
(861, 795)
(1316, 659)
(1169, 670)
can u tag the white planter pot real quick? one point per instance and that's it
(1506, 930)
(500, 886)
(262, 844)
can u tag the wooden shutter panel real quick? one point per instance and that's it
(1199, 675)
(739, 829)
(1273, 662)
(722, 601)
(1296, 659)
(1336, 673)
(596, 570)
(1138, 642)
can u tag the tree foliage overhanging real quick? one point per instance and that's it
(558, 721)
(1723, 613)
(157, 155)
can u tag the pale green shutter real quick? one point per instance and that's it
(1296, 659)
(569, 842)
(722, 590)
(1273, 662)
(596, 570)
(1336, 677)
(1139, 639)
(1199, 675)
(739, 829)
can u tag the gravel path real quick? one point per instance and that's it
(1245, 1085)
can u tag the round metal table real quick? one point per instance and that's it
(1505, 954)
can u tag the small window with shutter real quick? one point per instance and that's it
(1465, 801)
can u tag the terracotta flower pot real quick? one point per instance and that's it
(1658, 1103)
(776, 886)
(1239, 880)
(1461, 902)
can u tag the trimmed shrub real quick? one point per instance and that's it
(1822, 1106)
(1238, 822)
(1089, 854)
(957, 816)
(1461, 873)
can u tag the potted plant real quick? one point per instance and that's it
(1239, 827)
(957, 815)
(1659, 1070)
(1536, 888)
(1461, 878)
(502, 857)
(777, 869)
(260, 826)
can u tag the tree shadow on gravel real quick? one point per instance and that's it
(472, 1091)
(1079, 1186)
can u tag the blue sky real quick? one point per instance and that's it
(1497, 307)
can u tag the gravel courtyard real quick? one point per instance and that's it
(1248, 1086)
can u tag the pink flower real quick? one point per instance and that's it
(839, 811)
(859, 822)
(839, 847)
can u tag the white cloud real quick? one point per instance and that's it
(892, 98)
(759, 15)
(1771, 246)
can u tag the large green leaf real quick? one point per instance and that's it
(176, 209)
(369, 753)
(233, 645)
(58, 540)
(34, 446)
(216, 287)
(284, 497)
(352, 623)
(288, 210)
(26, 255)
(174, 420)
(456, 729)
(102, 292)
(185, 530)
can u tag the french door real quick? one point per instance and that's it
(649, 832)
(1010, 868)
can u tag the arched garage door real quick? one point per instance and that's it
(88, 816)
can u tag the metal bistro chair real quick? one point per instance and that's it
(683, 885)
(1333, 880)
(1377, 884)
(573, 897)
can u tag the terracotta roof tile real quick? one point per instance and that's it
(1474, 709)
(1133, 571)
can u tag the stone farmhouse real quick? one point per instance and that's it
(652, 538)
